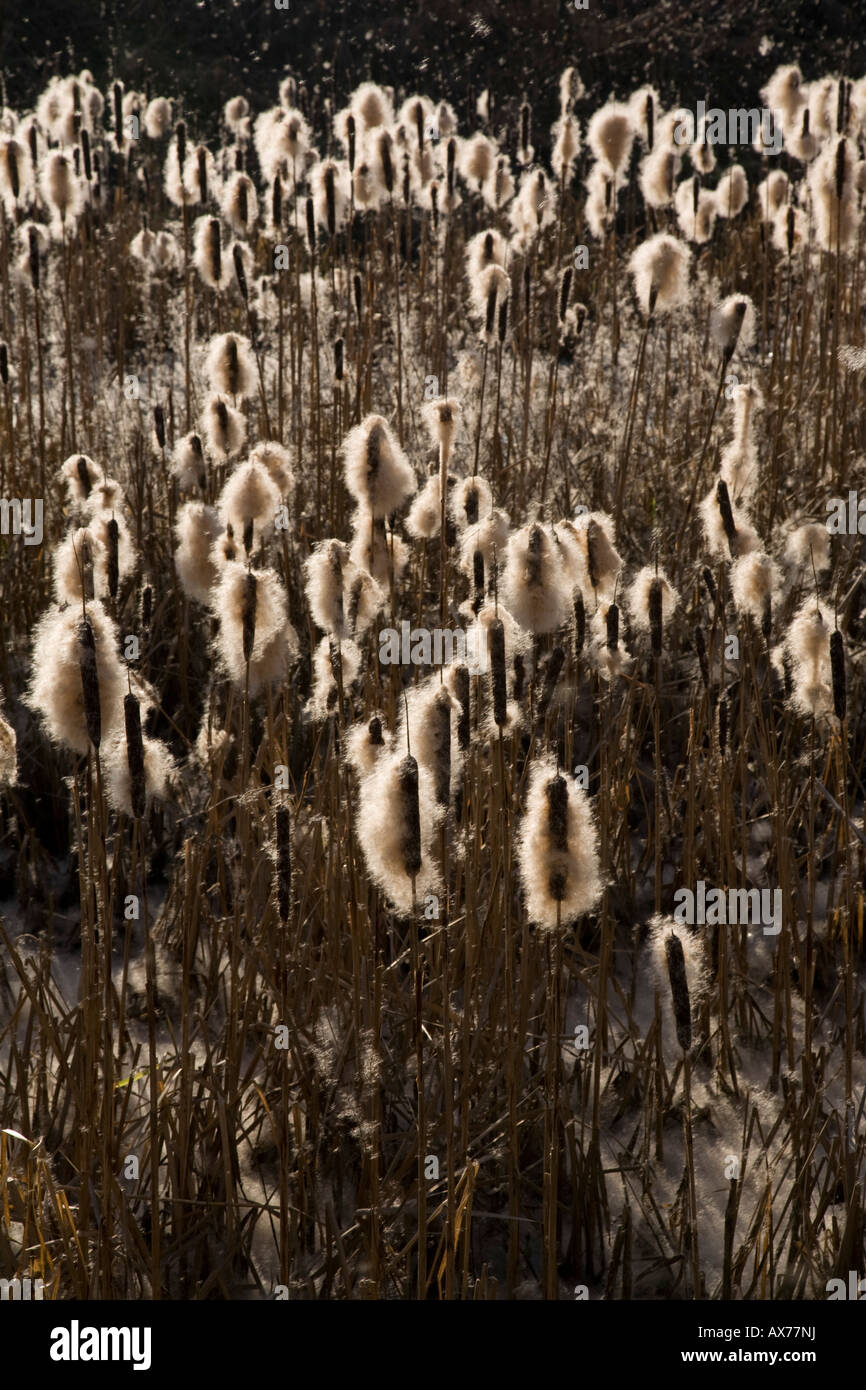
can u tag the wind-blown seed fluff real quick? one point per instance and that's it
(602, 560)
(378, 473)
(534, 584)
(638, 597)
(224, 427)
(197, 528)
(56, 691)
(557, 851)
(809, 545)
(610, 135)
(660, 270)
(275, 642)
(158, 766)
(732, 192)
(755, 583)
(384, 831)
(250, 496)
(81, 475)
(230, 367)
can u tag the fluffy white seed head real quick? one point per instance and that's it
(378, 473)
(557, 849)
(660, 270)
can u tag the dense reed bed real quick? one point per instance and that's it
(332, 968)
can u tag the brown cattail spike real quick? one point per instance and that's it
(496, 652)
(135, 755)
(655, 616)
(112, 538)
(701, 649)
(215, 249)
(579, 623)
(555, 663)
(89, 681)
(724, 500)
(612, 625)
(407, 775)
(461, 691)
(283, 829)
(837, 669)
(248, 615)
(442, 743)
(564, 292)
(679, 990)
(557, 813)
(240, 275)
(350, 132)
(277, 202)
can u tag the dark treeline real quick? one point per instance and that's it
(214, 49)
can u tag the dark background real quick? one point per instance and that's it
(210, 50)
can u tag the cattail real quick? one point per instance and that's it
(350, 134)
(33, 257)
(356, 285)
(610, 135)
(709, 581)
(535, 586)
(117, 93)
(311, 226)
(496, 656)
(89, 682)
(733, 324)
(660, 270)
(612, 626)
(240, 273)
(651, 602)
(277, 203)
(224, 427)
(4, 364)
(283, 836)
(112, 563)
(407, 775)
(146, 609)
(701, 648)
(378, 473)
(557, 849)
(502, 331)
(135, 755)
(679, 990)
(460, 687)
(579, 624)
(248, 617)
(837, 667)
(553, 670)
(564, 292)
(655, 616)
(724, 501)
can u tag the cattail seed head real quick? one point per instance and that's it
(135, 755)
(283, 837)
(89, 682)
(837, 668)
(679, 990)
